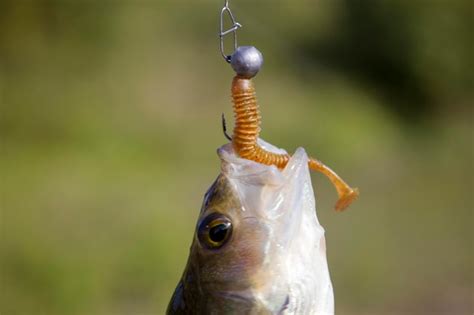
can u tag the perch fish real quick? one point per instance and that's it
(258, 246)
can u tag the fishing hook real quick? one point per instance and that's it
(224, 128)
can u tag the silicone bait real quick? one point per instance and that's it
(248, 119)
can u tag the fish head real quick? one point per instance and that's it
(258, 247)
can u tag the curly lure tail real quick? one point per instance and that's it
(246, 133)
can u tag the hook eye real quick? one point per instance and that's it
(235, 26)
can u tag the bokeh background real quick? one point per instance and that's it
(110, 119)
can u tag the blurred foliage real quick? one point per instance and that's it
(405, 50)
(110, 117)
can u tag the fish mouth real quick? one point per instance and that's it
(264, 190)
(248, 171)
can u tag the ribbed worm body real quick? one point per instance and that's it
(246, 133)
(247, 125)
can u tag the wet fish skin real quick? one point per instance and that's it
(214, 281)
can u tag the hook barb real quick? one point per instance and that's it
(224, 128)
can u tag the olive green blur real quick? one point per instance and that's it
(110, 120)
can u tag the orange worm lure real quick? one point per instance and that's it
(247, 130)
(246, 62)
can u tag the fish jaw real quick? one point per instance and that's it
(275, 262)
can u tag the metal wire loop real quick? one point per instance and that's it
(233, 29)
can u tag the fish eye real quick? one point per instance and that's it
(214, 231)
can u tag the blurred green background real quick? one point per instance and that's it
(110, 119)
